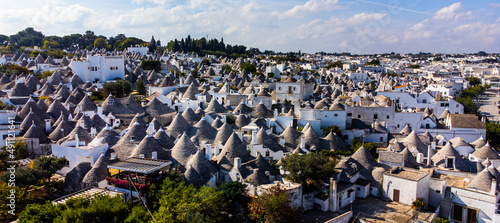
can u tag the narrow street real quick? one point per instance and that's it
(487, 105)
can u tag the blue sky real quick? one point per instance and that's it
(359, 26)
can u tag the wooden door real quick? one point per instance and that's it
(471, 215)
(395, 195)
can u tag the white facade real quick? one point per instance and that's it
(409, 184)
(103, 68)
(138, 49)
(76, 154)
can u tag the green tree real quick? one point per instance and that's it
(470, 107)
(43, 168)
(139, 86)
(96, 96)
(310, 170)
(151, 65)
(248, 67)
(473, 80)
(47, 44)
(119, 88)
(373, 62)
(332, 128)
(440, 220)
(338, 63)
(179, 200)
(205, 62)
(47, 73)
(100, 43)
(226, 67)
(493, 134)
(139, 214)
(273, 206)
(22, 198)
(415, 66)
(19, 151)
(102, 208)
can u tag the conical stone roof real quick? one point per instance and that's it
(182, 150)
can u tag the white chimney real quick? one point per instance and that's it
(429, 152)
(48, 128)
(254, 138)
(282, 141)
(433, 145)
(275, 112)
(283, 110)
(493, 186)
(154, 155)
(99, 110)
(237, 162)
(77, 140)
(302, 142)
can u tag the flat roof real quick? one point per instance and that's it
(407, 173)
(140, 165)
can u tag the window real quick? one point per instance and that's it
(424, 101)
(346, 137)
(438, 192)
(457, 105)
(326, 116)
(132, 138)
(375, 116)
(449, 162)
(445, 104)
(381, 139)
(359, 116)
(387, 117)
(113, 68)
(349, 114)
(427, 126)
(398, 125)
(267, 153)
(93, 68)
(279, 88)
(335, 115)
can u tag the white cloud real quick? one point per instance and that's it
(311, 6)
(452, 29)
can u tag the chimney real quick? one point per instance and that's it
(275, 112)
(48, 128)
(433, 145)
(282, 141)
(240, 136)
(493, 186)
(429, 152)
(99, 110)
(237, 162)
(77, 140)
(296, 108)
(391, 147)
(283, 110)
(302, 142)
(113, 156)
(154, 155)
(254, 138)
